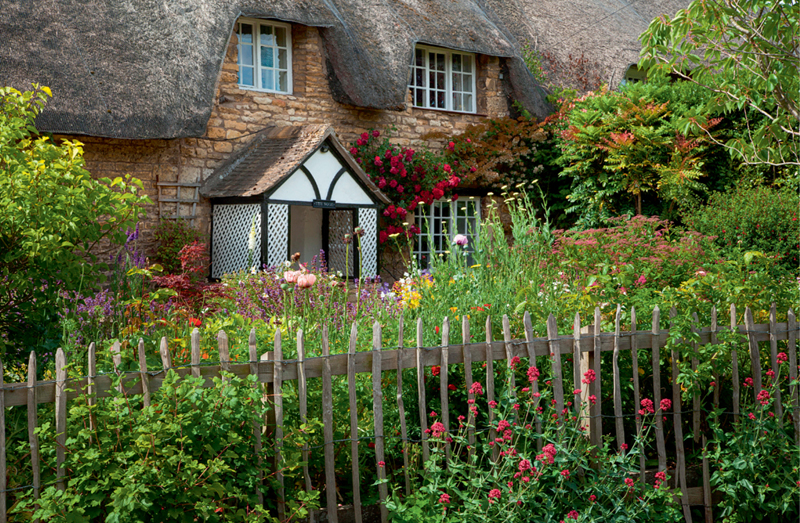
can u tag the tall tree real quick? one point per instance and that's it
(748, 53)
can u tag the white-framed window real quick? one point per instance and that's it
(440, 222)
(265, 55)
(443, 79)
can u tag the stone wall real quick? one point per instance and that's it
(239, 113)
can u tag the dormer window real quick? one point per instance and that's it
(265, 56)
(443, 79)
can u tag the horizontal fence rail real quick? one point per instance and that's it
(586, 344)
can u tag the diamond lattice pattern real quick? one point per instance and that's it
(231, 238)
(278, 234)
(368, 220)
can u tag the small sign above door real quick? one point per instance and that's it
(323, 204)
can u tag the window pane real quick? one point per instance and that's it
(283, 59)
(245, 54)
(419, 77)
(467, 102)
(280, 36)
(457, 102)
(467, 64)
(440, 99)
(440, 62)
(419, 58)
(456, 62)
(267, 58)
(245, 34)
(267, 79)
(246, 76)
(419, 99)
(432, 99)
(466, 83)
(266, 35)
(457, 82)
(440, 81)
(283, 81)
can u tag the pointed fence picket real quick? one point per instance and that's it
(586, 345)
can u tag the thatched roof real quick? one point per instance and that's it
(149, 69)
(274, 155)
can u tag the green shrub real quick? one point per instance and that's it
(172, 236)
(187, 457)
(752, 219)
(52, 215)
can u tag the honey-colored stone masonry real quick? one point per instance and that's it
(239, 113)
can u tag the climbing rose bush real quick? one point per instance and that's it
(407, 176)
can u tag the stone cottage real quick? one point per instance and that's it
(191, 95)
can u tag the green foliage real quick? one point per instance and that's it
(172, 236)
(568, 480)
(755, 465)
(744, 53)
(760, 219)
(187, 457)
(632, 150)
(52, 213)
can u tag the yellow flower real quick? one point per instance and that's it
(453, 309)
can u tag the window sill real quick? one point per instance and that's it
(449, 111)
(255, 90)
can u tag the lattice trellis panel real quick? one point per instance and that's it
(368, 220)
(339, 224)
(232, 224)
(277, 234)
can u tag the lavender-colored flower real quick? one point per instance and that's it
(461, 240)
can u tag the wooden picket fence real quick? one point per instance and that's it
(586, 344)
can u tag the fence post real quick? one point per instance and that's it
(253, 357)
(636, 404)
(714, 341)
(735, 367)
(443, 390)
(33, 422)
(423, 408)
(143, 374)
(465, 338)
(791, 346)
(555, 361)
(616, 383)
(595, 360)
(61, 416)
(90, 386)
(302, 392)
(401, 409)
(526, 320)
(277, 379)
(351, 389)
(195, 352)
(377, 408)
(577, 357)
(656, 350)
(755, 359)
(490, 386)
(166, 358)
(773, 356)
(327, 423)
(676, 409)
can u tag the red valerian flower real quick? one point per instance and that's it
(493, 404)
(444, 498)
(514, 362)
(629, 482)
(381, 464)
(533, 374)
(748, 382)
(782, 357)
(573, 514)
(435, 370)
(592, 498)
(476, 389)
(565, 473)
(589, 376)
(763, 397)
(665, 404)
(494, 494)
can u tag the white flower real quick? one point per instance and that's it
(251, 241)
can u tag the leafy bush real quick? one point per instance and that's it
(52, 214)
(172, 236)
(640, 150)
(188, 457)
(506, 477)
(752, 219)
(755, 463)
